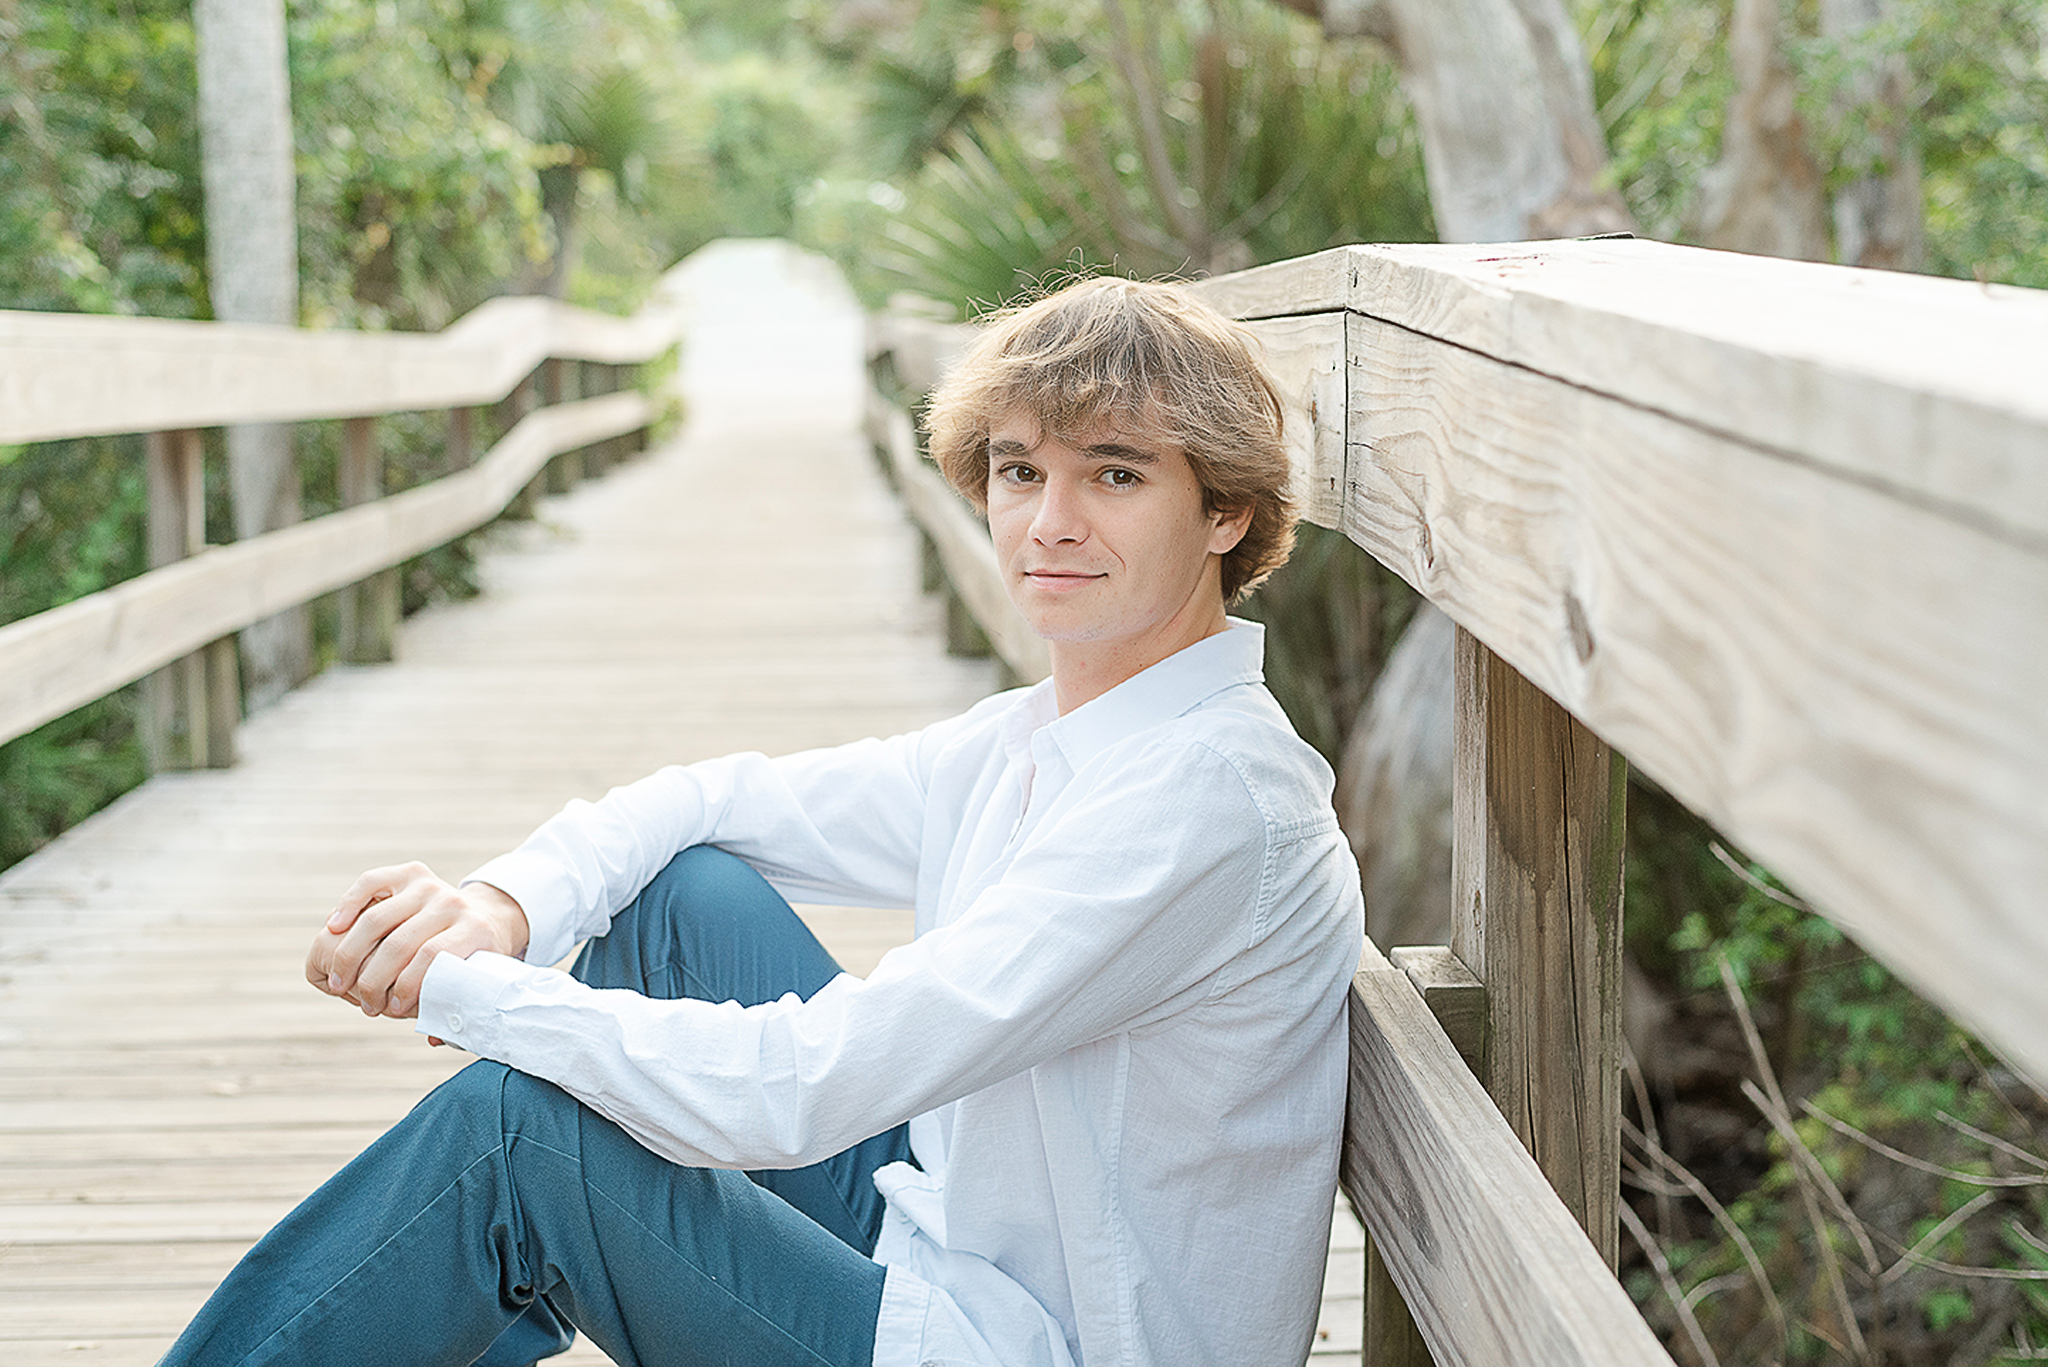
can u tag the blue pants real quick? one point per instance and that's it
(502, 1211)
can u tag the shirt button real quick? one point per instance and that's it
(454, 1020)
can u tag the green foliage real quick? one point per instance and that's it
(60, 773)
(1976, 115)
(1661, 81)
(70, 523)
(405, 220)
(99, 206)
(1270, 142)
(1982, 129)
(1849, 1040)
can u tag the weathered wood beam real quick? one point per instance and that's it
(1844, 680)
(1495, 1270)
(1926, 387)
(1538, 821)
(190, 707)
(1457, 1000)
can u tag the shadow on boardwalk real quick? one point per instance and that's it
(168, 1084)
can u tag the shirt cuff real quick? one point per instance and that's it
(459, 998)
(542, 892)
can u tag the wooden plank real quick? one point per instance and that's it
(1538, 807)
(69, 375)
(1494, 1268)
(1845, 682)
(1306, 358)
(58, 660)
(1453, 994)
(921, 350)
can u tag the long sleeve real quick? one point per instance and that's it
(1129, 904)
(840, 825)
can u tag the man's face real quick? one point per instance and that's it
(1104, 543)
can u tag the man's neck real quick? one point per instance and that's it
(1083, 671)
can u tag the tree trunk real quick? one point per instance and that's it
(1880, 218)
(1503, 97)
(1764, 194)
(245, 139)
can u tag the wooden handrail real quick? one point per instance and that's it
(63, 658)
(72, 375)
(1776, 531)
(68, 375)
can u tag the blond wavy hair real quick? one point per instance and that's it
(1150, 360)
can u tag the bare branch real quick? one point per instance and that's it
(1735, 867)
(1633, 1223)
(1774, 1110)
(1937, 1234)
(2003, 1146)
(1684, 1176)
(1921, 1164)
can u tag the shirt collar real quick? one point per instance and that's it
(1168, 689)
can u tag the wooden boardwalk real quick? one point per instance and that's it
(168, 1084)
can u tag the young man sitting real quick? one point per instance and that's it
(1089, 1116)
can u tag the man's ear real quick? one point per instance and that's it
(1230, 526)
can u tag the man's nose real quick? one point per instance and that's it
(1059, 517)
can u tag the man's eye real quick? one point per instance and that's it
(1119, 478)
(1015, 473)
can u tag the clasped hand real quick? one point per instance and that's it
(374, 949)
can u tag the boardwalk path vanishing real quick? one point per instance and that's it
(169, 1085)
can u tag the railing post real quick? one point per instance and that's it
(557, 383)
(460, 451)
(507, 412)
(191, 706)
(369, 610)
(1538, 810)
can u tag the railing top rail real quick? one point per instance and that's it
(71, 375)
(1931, 387)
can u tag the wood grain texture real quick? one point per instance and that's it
(1453, 994)
(70, 375)
(1494, 1269)
(1538, 810)
(1925, 387)
(1306, 358)
(1845, 682)
(57, 660)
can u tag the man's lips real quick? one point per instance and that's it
(1060, 579)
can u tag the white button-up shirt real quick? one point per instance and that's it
(1118, 1036)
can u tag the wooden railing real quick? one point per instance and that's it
(1778, 533)
(67, 375)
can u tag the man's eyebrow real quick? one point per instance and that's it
(1008, 446)
(1117, 451)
